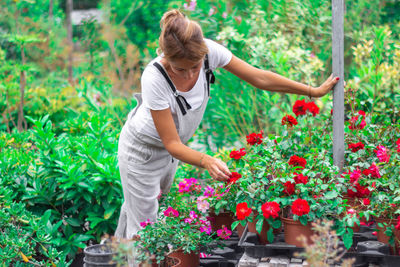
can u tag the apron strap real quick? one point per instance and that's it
(209, 74)
(179, 99)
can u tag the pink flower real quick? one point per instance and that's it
(209, 191)
(191, 6)
(398, 145)
(351, 211)
(224, 15)
(355, 175)
(145, 223)
(188, 185)
(381, 153)
(374, 170)
(211, 12)
(202, 204)
(224, 233)
(170, 212)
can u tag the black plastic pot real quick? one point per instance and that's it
(99, 255)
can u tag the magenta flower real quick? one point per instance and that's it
(381, 153)
(374, 170)
(224, 233)
(145, 223)
(209, 191)
(170, 212)
(187, 185)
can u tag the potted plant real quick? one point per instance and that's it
(181, 230)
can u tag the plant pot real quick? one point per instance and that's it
(382, 237)
(186, 259)
(223, 218)
(100, 253)
(98, 264)
(171, 261)
(294, 229)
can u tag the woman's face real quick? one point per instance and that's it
(185, 68)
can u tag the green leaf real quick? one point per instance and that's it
(348, 238)
(259, 225)
(303, 220)
(109, 211)
(270, 235)
(331, 195)
(235, 224)
(73, 222)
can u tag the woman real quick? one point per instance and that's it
(175, 91)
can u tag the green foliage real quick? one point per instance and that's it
(26, 239)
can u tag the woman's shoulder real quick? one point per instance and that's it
(218, 54)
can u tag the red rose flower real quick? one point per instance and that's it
(300, 179)
(242, 211)
(237, 154)
(366, 201)
(313, 108)
(297, 161)
(398, 145)
(254, 138)
(289, 120)
(355, 125)
(270, 209)
(300, 207)
(362, 113)
(374, 170)
(289, 188)
(366, 172)
(300, 107)
(234, 177)
(356, 146)
(398, 223)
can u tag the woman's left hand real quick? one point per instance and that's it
(325, 87)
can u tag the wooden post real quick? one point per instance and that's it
(338, 92)
(70, 42)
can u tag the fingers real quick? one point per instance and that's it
(218, 170)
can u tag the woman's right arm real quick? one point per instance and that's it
(169, 136)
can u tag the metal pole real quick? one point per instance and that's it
(338, 92)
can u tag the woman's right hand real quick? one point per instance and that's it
(216, 168)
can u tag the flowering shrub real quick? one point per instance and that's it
(182, 223)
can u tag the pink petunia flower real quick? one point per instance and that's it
(224, 233)
(381, 153)
(170, 212)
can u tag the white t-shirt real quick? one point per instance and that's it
(157, 94)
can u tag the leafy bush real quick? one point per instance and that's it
(26, 239)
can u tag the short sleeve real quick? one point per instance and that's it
(219, 56)
(154, 95)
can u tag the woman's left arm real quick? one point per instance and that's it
(267, 80)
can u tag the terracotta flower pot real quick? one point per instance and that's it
(251, 227)
(382, 237)
(186, 260)
(294, 229)
(223, 218)
(171, 262)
